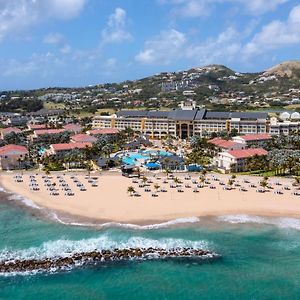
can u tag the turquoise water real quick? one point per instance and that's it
(132, 157)
(259, 261)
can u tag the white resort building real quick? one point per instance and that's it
(184, 122)
(188, 120)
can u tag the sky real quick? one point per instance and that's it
(70, 43)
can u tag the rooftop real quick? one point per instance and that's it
(246, 153)
(11, 129)
(190, 115)
(256, 137)
(73, 127)
(103, 131)
(221, 143)
(70, 146)
(13, 150)
(81, 138)
(48, 131)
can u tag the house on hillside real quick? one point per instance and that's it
(236, 160)
(11, 156)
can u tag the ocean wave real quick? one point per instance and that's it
(281, 222)
(67, 248)
(24, 200)
(170, 223)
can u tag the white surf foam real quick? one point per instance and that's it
(24, 200)
(170, 223)
(67, 248)
(292, 223)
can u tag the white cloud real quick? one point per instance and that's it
(17, 15)
(262, 6)
(224, 48)
(163, 49)
(276, 34)
(198, 8)
(58, 40)
(115, 31)
(54, 38)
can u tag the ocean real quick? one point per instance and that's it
(259, 258)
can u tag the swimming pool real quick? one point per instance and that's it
(140, 158)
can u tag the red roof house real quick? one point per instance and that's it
(60, 149)
(10, 156)
(83, 138)
(6, 131)
(253, 139)
(225, 144)
(76, 128)
(103, 131)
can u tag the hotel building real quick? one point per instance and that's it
(188, 120)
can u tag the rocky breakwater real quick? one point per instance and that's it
(88, 258)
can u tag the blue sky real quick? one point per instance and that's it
(80, 42)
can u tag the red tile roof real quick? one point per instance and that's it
(37, 126)
(13, 150)
(48, 131)
(245, 153)
(222, 143)
(104, 131)
(70, 146)
(73, 127)
(256, 137)
(81, 138)
(11, 129)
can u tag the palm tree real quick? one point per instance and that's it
(176, 180)
(296, 181)
(263, 184)
(230, 182)
(130, 190)
(156, 186)
(233, 177)
(167, 171)
(144, 179)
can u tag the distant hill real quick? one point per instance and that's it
(290, 69)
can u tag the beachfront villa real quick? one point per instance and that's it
(11, 156)
(250, 140)
(236, 160)
(188, 120)
(60, 150)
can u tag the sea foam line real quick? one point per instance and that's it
(128, 225)
(281, 222)
(17, 197)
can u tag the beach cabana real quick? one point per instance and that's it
(106, 163)
(130, 171)
(173, 162)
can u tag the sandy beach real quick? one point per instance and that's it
(110, 200)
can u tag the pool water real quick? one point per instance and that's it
(133, 158)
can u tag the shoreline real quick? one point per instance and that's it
(69, 212)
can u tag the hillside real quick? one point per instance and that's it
(212, 86)
(291, 69)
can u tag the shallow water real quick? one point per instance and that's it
(260, 259)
